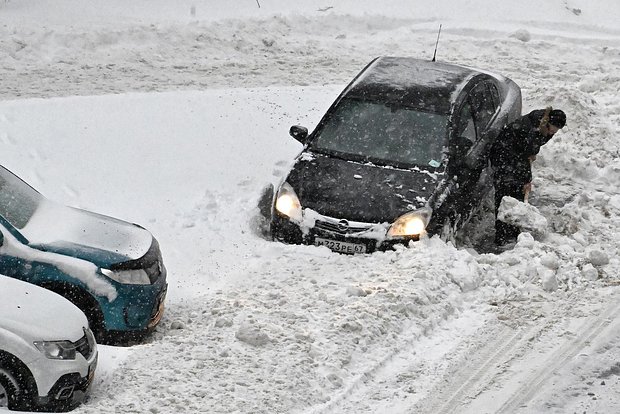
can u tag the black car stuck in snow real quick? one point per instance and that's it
(402, 152)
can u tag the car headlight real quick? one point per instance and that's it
(128, 277)
(411, 224)
(287, 202)
(56, 349)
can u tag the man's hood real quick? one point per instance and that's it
(37, 314)
(359, 191)
(79, 233)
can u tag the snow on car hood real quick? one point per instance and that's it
(85, 235)
(21, 312)
(83, 270)
(359, 191)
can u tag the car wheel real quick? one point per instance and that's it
(15, 388)
(90, 307)
(86, 303)
(8, 391)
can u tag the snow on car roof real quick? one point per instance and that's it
(413, 82)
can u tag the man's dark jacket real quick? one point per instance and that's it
(514, 145)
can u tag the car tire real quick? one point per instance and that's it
(16, 384)
(86, 303)
(8, 392)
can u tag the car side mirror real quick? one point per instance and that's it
(300, 133)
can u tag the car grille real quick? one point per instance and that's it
(341, 227)
(85, 345)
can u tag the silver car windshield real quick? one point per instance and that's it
(18, 201)
(384, 132)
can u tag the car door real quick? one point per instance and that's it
(484, 99)
(473, 115)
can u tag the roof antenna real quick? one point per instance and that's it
(435, 53)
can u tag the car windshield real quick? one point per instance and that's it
(18, 201)
(384, 132)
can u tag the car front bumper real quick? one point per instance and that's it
(137, 308)
(63, 384)
(342, 240)
(67, 393)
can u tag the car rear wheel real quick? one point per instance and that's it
(16, 384)
(8, 391)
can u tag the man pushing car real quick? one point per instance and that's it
(512, 155)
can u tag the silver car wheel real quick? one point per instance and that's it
(4, 397)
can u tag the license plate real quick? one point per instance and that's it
(340, 246)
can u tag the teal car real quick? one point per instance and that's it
(111, 269)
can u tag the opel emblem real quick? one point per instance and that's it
(343, 225)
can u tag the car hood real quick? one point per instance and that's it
(358, 191)
(22, 313)
(79, 233)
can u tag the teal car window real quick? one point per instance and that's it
(383, 131)
(18, 201)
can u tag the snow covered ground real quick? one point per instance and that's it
(174, 115)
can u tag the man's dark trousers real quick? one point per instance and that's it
(504, 232)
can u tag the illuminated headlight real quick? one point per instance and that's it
(56, 349)
(287, 203)
(128, 277)
(411, 224)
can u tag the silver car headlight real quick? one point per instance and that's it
(56, 349)
(128, 277)
(411, 224)
(287, 203)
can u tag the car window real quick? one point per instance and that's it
(466, 126)
(483, 104)
(494, 94)
(18, 201)
(386, 132)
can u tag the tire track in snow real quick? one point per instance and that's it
(473, 372)
(592, 328)
(493, 378)
(399, 372)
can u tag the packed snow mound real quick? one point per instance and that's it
(523, 215)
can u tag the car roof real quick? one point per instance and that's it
(421, 84)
